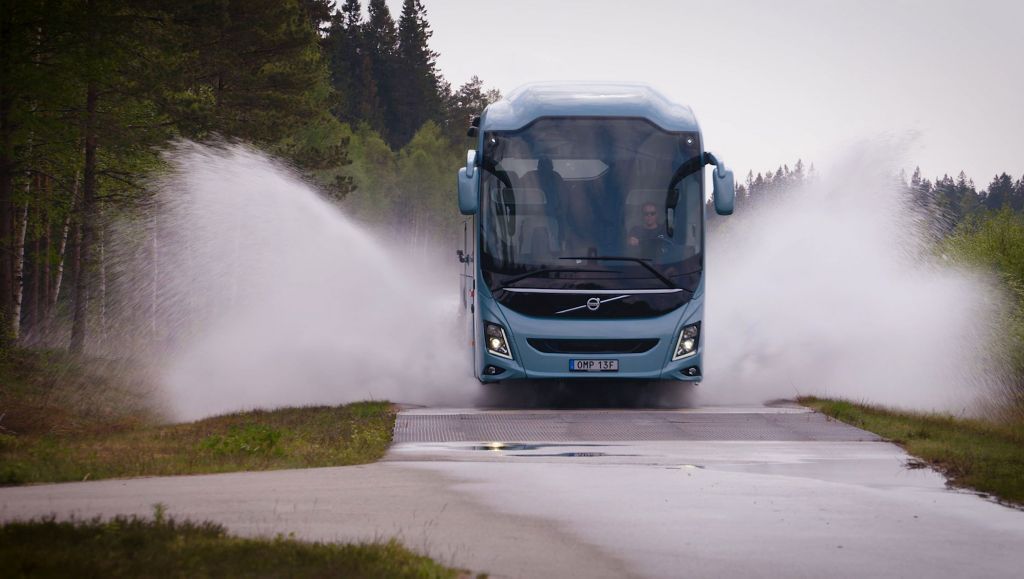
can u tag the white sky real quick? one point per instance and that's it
(774, 81)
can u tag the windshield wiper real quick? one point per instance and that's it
(543, 270)
(638, 260)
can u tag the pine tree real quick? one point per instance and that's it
(351, 68)
(777, 181)
(419, 97)
(340, 63)
(380, 40)
(463, 104)
(318, 13)
(1000, 193)
(257, 65)
(1018, 193)
(798, 171)
(920, 190)
(915, 179)
(112, 49)
(24, 36)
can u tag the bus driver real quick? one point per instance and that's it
(641, 236)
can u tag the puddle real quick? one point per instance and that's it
(513, 446)
(575, 454)
(520, 446)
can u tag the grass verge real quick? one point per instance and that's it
(53, 392)
(977, 454)
(133, 547)
(68, 420)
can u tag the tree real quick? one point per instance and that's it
(252, 69)
(30, 32)
(1000, 193)
(112, 49)
(1018, 194)
(798, 171)
(91, 88)
(419, 96)
(374, 172)
(256, 71)
(351, 68)
(380, 40)
(468, 101)
(318, 13)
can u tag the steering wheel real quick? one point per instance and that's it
(657, 246)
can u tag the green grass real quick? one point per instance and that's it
(258, 440)
(64, 418)
(71, 420)
(133, 547)
(977, 454)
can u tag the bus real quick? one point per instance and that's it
(583, 249)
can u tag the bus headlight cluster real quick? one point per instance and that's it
(497, 343)
(686, 345)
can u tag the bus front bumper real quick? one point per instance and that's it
(556, 367)
(528, 335)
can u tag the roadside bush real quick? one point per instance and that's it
(995, 242)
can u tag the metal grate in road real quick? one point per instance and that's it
(604, 426)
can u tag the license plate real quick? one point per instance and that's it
(593, 365)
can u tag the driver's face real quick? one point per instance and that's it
(650, 216)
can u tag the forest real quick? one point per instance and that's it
(92, 91)
(349, 95)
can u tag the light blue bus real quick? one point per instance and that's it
(583, 254)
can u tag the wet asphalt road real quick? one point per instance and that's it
(738, 491)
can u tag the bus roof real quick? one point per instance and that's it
(579, 99)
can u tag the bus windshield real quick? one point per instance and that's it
(586, 201)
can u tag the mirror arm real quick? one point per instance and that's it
(710, 159)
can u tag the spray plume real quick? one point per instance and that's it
(835, 289)
(264, 295)
(261, 294)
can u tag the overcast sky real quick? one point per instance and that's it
(771, 82)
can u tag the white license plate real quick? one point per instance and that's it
(593, 365)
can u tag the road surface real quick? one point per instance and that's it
(752, 491)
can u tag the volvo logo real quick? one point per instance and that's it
(593, 304)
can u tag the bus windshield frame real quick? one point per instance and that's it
(593, 189)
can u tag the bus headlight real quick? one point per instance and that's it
(497, 343)
(686, 345)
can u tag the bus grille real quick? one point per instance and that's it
(553, 346)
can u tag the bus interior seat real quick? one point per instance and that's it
(536, 223)
(540, 244)
(546, 215)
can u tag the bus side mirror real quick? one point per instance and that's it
(469, 185)
(724, 190)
